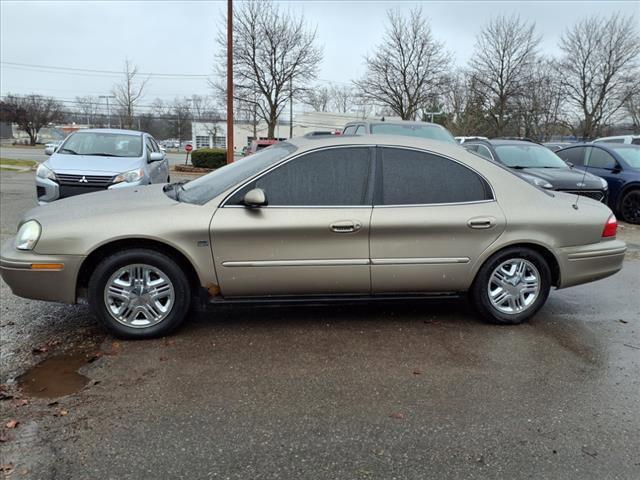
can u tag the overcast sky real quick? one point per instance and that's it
(179, 37)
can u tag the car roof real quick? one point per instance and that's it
(393, 122)
(498, 141)
(309, 143)
(111, 130)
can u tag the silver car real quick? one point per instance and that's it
(321, 219)
(100, 159)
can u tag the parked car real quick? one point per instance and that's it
(626, 139)
(100, 159)
(53, 144)
(555, 146)
(257, 145)
(465, 139)
(619, 165)
(431, 131)
(540, 166)
(296, 221)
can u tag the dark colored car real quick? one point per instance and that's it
(619, 165)
(555, 146)
(540, 166)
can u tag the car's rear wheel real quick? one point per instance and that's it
(630, 207)
(139, 293)
(511, 286)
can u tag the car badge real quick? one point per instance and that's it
(83, 180)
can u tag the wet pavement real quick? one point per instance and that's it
(407, 391)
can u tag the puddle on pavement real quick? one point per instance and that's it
(54, 377)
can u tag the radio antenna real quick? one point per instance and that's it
(581, 185)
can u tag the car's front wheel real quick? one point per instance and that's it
(139, 293)
(511, 286)
(630, 207)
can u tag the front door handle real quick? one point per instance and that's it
(346, 226)
(481, 222)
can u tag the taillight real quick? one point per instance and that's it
(610, 227)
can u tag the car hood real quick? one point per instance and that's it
(565, 178)
(120, 203)
(63, 163)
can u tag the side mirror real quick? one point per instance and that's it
(255, 198)
(569, 164)
(49, 150)
(156, 157)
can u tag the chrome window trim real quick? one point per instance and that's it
(450, 204)
(315, 207)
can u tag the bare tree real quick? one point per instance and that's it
(89, 109)
(632, 107)
(504, 51)
(407, 68)
(177, 116)
(31, 113)
(275, 57)
(128, 93)
(317, 98)
(341, 98)
(541, 104)
(600, 66)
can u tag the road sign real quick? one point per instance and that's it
(188, 147)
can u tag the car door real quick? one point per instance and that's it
(601, 163)
(313, 236)
(432, 218)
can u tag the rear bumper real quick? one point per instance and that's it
(587, 263)
(54, 285)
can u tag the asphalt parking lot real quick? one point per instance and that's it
(391, 391)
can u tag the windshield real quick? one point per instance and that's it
(629, 154)
(103, 144)
(432, 132)
(203, 189)
(528, 156)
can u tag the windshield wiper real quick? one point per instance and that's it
(175, 188)
(101, 154)
(518, 167)
(72, 152)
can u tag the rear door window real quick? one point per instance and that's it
(574, 155)
(411, 177)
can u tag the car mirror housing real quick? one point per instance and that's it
(156, 157)
(49, 150)
(255, 198)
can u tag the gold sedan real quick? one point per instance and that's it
(331, 219)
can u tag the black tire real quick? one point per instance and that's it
(479, 293)
(140, 256)
(630, 207)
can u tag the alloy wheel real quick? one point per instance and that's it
(631, 207)
(514, 286)
(139, 296)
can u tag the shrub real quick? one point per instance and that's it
(209, 157)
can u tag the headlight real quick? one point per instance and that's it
(28, 235)
(130, 176)
(604, 183)
(45, 172)
(538, 182)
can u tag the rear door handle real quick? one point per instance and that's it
(481, 222)
(346, 226)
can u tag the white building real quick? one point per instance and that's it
(207, 134)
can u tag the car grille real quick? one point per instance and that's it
(598, 195)
(69, 191)
(101, 181)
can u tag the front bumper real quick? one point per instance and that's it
(54, 285)
(587, 263)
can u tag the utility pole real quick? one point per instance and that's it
(229, 81)
(291, 107)
(107, 97)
